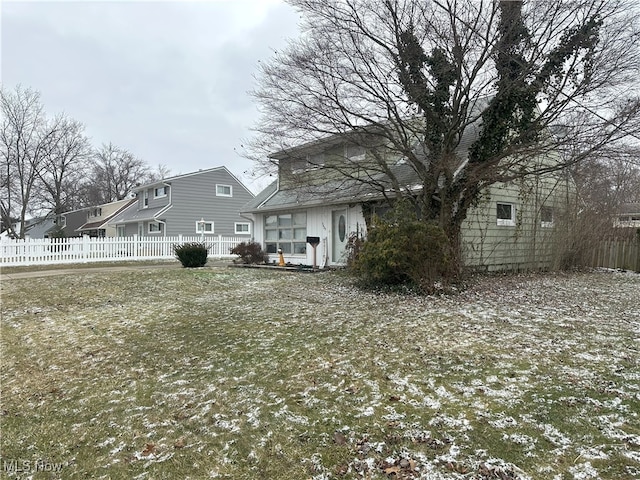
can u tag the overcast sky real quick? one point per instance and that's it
(168, 81)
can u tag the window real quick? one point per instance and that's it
(155, 227)
(145, 199)
(223, 191)
(160, 192)
(506, 214)
(546, 216)
(243, 228)
(306, 163)
(204, 227)
(94, 212)
(122, 231)
(355, 153)
(286, 231)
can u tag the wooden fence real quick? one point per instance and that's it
(623, 253)
(43, 251)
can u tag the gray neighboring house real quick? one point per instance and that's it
(72, 221)
(206, 202)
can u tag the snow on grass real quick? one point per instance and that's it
(234, 373)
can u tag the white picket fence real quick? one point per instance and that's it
(43, 251)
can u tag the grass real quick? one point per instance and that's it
(250, 374)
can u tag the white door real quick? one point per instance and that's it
(339, 236)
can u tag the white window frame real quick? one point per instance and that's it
(546, 224)
(121, 231)
(145, 199)
(287, 233)
(154, 232)
(95, 212)
(164, 192)
(247, 232)
(218, 194)
(206, 232)
(506, 222)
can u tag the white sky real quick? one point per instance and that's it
(168, 81)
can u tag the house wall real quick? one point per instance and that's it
(530, 243)
(193, 197)
(319, 224)
(73, 221)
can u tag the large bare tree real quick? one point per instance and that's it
(65, 166)
(26, 140)
(115, 172)
(529, 77)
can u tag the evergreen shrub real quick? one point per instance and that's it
(401, 250)
(191, 255)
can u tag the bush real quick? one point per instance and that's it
(401, 250)
(250, 253)
(191, 255)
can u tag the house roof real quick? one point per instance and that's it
(168, 180)
(102, 223)
(333, 192)
(131, 214)
(376, 186)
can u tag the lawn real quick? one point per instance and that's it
(252, 374)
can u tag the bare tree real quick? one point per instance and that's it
(114, 174)
(526, 81)
(64, 166)
(605, 185)
(26, 140)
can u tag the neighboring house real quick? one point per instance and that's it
(628, 216)
(97, 218)
(510, 228)
(39, 227)
(205, 203)
(71, 221)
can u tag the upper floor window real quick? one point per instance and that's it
(160, 192)
(94, 212)
(355, 153)
(506, 214)
(224, 191)
(306, 163)
(145, 199)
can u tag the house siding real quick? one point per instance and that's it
(529, 244)
(194, 197)
(189, 198)
(319, 224)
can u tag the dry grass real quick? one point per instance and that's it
(233, 373)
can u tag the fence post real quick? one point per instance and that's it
(85, 248)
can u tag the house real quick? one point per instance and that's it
(205, 202)
(511, 227)
(628, 216)
(39, 227)
(69, 222)
(97, 218)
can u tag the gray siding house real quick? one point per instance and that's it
(207, 202)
